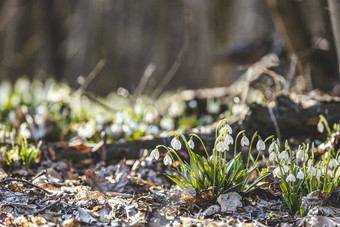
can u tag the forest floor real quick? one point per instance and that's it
(77, 183)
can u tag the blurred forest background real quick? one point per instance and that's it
(183, 43)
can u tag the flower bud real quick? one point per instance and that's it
(155, 153)
(244, 141)
(191, 144)
(333, 163)
(300, 175)
(291, 178)
(176, 144)
(260, 145)
(167, 160)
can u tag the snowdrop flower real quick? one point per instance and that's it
(300, 175)
(119, 117)
(276, 172)
(213, 107)
(100, 119)
(167, 123)
(299, 154)
(153, 130)
(176, 144)
(167, 160)
(191, 144)
(244, 141)
(223, 130)
(285, 168)
(192, 104)
(230, 130)
(272, 156)
(320, 127)
(220, 146)
(25, 133)
(149, 117)
(176, 109)
(226, 146)
(312, 170)
(310, 162)
(318, 174)
(155, 153)
(260, 145)
(86, 131)
(273, 146)
(229, 140)
(291, 178)
(333, 163)
(284, 155)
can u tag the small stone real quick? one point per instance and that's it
(229, 201)
(211, 210)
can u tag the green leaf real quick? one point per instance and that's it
(258, 180)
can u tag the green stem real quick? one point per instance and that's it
(205, 149)
(251, 144)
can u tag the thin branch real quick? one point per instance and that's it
(291, 72)
(144, 80)
(92, 75)
(180, 56)
(276, 125)
(45, 208)
(26, 182)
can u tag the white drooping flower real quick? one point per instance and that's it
(230, 130)
(260, 145)
(320, 127)
(318, 174)
(213, 107)
(226, 146)
(155, 153)
(167, 160)
(310, 162)
(167, 123)
(153, 129)
(229, 140)
(299, 154)
(244, 141)
(291, 178)
(285, 168)
(223, 130)
(25, 133)
(276, 172)
(191, 144)
(273, 146)
(333, 163)
(312, 171)
(220, 146)
(176, 144)
(339, 158)
(300, 175)
(272, 156)
(284, 156)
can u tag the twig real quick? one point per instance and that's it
(180, 56)
(99, 66)
(26, 182)
(291, 72)
(144, 80)
(94, 99)
(273, 118)
(46, 207)
(249, 75)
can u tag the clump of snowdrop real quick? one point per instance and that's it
(300, 173)
(212, 170)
